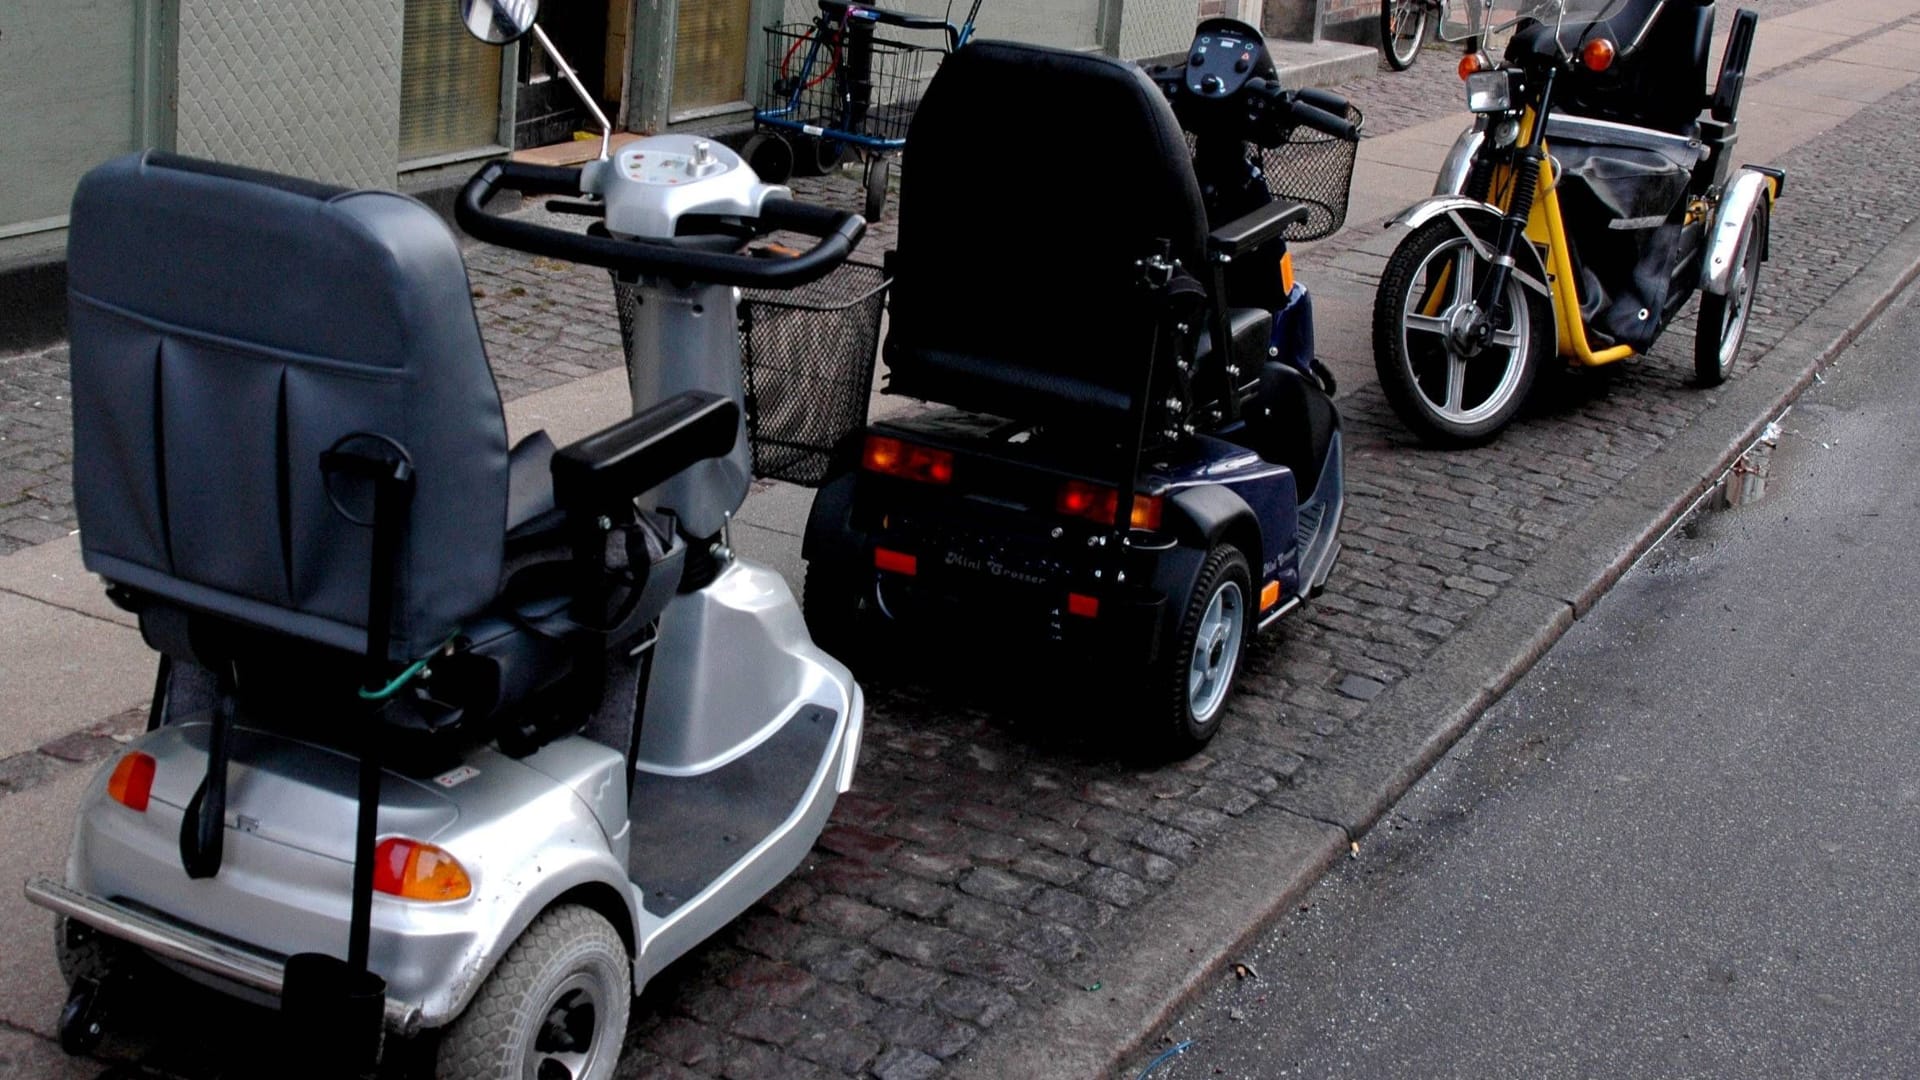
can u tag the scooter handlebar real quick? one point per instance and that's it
(1320, 110)
(839, 232)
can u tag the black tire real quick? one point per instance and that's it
(815, 156)
(1182, 716)
(879, 169)
(1723, 319)
(835, 607)
(1416, 363)
(769, 155)
(1404, 25)
(565, 982)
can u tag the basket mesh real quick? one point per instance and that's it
(1313, 168)
(808, 357)
(842, 81)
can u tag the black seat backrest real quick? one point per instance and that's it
(1037, 178)
(227, 327)
(1660, 77)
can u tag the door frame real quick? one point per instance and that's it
(650, 64)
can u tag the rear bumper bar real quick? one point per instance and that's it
(173, 942)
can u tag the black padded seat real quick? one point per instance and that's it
(1659, 76)
(1039, 178)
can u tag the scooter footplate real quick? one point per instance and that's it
(689, 830)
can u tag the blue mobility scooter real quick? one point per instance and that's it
(1128, 451)
(447, 737)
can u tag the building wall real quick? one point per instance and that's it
(293, 86)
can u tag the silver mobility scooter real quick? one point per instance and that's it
(446, 735)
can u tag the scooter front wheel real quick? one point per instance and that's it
(556, 1005)
(1449, 389)
(1723, 319)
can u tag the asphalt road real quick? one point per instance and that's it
(1687, 844)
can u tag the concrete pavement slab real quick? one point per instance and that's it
(1836, 76)
(38, 825)
(61, 671)
(52, 573)
(29, 1057)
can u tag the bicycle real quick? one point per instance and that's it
(833, 83)
(1404, 25)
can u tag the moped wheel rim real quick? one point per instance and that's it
(1428, 347)
(1733, 318)
(571, 1040)
(1216, 650)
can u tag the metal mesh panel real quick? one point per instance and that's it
(1152, 28)
(807, 356)
(291, 86)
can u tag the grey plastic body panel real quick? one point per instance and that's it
(528, 830)
(688, 338)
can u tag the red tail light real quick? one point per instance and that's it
(1085, 606)
(895, 457)
(895, 562)
(131, 784)
(1096, 502)
(416, 870)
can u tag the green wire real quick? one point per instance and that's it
(404, 677)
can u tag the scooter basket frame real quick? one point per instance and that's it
(1316, 170)
(808, 356)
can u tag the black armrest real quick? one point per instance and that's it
(1250, 231)
(639, 453)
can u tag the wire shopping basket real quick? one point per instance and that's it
(841, 82)
(1314, 168)
(808, 356)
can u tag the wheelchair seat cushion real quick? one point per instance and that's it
(1040, 177)
(227, 327)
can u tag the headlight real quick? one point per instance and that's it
(1489, 92)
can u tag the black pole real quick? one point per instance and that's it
(392, 490)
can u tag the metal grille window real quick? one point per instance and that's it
(449, 84)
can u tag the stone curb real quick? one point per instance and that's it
(1250, 878)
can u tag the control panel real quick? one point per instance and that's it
(1224, 55)
(651, 183)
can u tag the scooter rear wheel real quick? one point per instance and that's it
(556, 1005)
(1445, 394)
(1193, 678)
(1723, 319)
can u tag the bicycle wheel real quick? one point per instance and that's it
(1403, 30)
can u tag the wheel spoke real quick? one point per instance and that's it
(1510, 337)
(575, 1064)
(1463, 277)
(1427, 324)
(1456, 382)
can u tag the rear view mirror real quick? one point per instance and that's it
(497, 22)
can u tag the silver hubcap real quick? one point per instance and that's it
(570, 1041)
(1216, 649)
(1733, 320)
(1460, 381)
